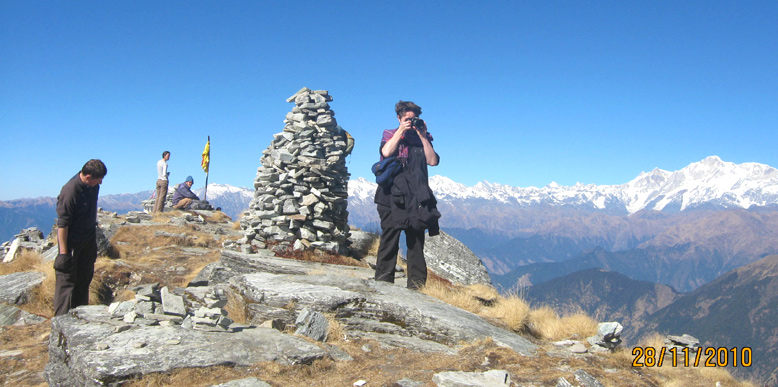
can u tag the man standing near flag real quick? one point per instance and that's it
(162, 182)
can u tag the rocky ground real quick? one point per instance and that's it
(172, 308)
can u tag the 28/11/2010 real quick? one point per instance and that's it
(713, 357)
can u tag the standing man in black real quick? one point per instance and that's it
(76, 236)
(408, 204)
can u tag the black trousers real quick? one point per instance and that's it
(387, 256)
(73, 276)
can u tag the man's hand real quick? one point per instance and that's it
(405, 126)
(63, 263)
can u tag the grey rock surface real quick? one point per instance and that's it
(17, 287)
(247, 382)
(683, 341)
(370, 306)
(406, 382)
(608, 337)
(412, 343)
(493, 378)
(586, 379)
(452, 260)
(11, 315)
(312, 324)
(361, 241)
(75, 358)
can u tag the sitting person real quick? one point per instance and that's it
(183, 197)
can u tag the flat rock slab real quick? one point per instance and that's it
(85, 349)
(233, 264)
(369, 306)
(11, 315)
(17, 287)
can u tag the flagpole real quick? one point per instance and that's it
(207, 172)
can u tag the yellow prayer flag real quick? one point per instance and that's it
(206, 156)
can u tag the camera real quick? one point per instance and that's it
(418, 123)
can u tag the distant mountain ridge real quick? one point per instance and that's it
(736, 310)
(710, 182)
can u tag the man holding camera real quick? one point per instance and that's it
(408, 204)
(77, 237)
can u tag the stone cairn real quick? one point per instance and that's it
(154, 306)
(301, 188)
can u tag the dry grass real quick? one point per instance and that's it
(236, 308)
(373, 250)
(218, 217)
(511, 311)
(25, 260)
(546, 324)
(147, 258)
(32, 341)
(337, 333)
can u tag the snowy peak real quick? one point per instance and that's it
(710, 181)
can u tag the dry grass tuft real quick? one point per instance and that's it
(336, 332)
(546, 324)
(236, 308)
(25, 369)
(25, 260)
(513, 311)
(457, 296)
(42, 298)
(373, 250)
(218, 217)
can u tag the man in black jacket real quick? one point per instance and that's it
(408, 204)
(76, 236)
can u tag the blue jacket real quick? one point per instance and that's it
(183, 191)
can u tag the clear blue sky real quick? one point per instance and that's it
(516, 92)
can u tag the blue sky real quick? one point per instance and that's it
(516, 92)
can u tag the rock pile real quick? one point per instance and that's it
(153, 306)
(30, 239)
(300, 195)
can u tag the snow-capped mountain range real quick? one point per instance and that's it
(708, 182)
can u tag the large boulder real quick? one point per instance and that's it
(89, 348)
(365, 305)
(452, 260)
(17, 287)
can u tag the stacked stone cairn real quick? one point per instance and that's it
(154, 306)
(301, 188)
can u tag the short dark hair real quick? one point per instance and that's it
(165, 153)
(403, 107)
(94, 168)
